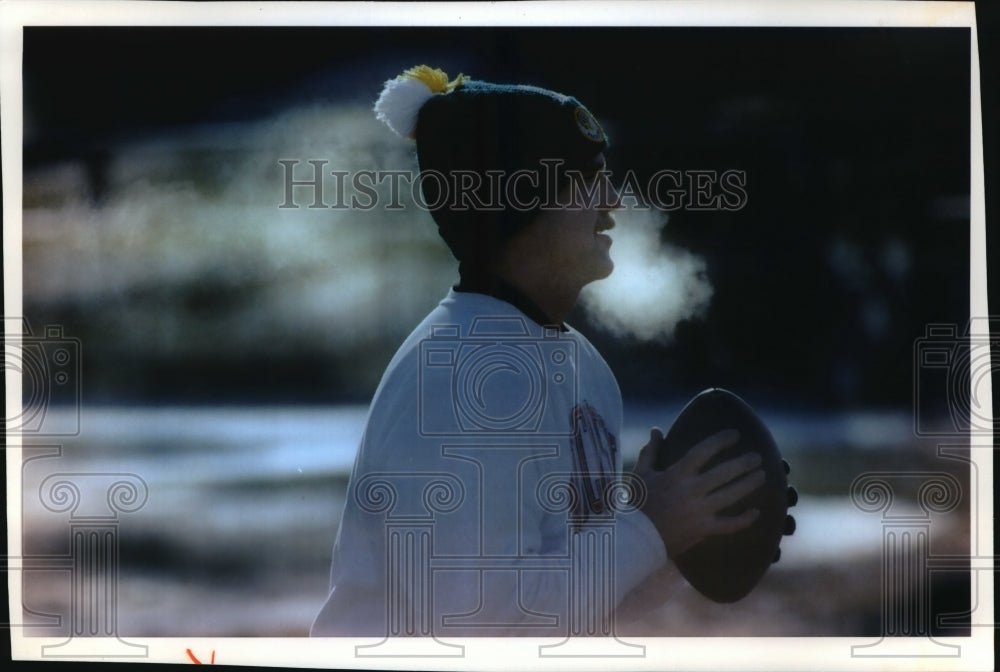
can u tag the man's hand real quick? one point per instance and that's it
(684, 504)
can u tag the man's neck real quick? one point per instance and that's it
(552, 301)
(545, 308)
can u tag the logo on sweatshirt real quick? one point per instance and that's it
(594, 458)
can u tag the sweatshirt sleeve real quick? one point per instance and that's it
(640, 548)
(520, 561)
(597, 561)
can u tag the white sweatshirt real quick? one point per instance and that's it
(482, 500)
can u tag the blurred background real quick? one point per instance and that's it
(225, 348)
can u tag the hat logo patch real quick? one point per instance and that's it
(588, 125)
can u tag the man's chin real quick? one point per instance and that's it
(604, 271)
(610, 267)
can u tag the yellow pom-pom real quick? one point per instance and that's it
(401, 99)
(434, 78)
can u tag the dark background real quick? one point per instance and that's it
(852, 140)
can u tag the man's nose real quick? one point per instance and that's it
(611, 198)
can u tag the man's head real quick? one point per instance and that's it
(565, 247)
(494, 158)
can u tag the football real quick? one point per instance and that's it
(725, 568)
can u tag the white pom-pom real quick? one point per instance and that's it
(400, 103)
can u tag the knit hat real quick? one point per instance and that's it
(489, 154)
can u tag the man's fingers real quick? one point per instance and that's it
(723, 473)
(735, 491)
(730, 524)
(649, 452)
(706, 449)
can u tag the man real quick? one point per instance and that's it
(487, 496)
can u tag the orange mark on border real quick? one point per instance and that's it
(196, 661)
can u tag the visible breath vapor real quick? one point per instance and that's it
(653, 287)
(190, 249)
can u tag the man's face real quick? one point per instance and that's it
(571, 237)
